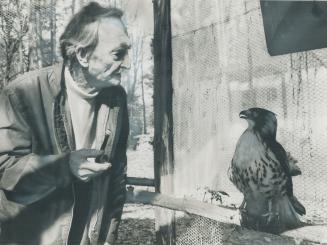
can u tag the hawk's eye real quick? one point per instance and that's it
(255, 114)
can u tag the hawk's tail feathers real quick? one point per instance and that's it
(288, 218)
(299, 208)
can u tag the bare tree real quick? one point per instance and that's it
(13, 27)
(143, 97)
(53, 31)
(73, 6)
(37, 25)
(137, 48)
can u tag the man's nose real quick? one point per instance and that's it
(126, 62)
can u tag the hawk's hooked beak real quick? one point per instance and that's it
(244, 114)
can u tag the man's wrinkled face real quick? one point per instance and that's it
(110, 55)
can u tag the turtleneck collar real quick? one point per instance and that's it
(77, 88)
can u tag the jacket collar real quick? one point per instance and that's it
(56, 79)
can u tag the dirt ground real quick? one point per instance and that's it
(137, 226)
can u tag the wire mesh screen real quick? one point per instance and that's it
(221, 67)
(193, 228)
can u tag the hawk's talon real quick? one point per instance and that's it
(270, 216)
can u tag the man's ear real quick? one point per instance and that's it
(82, 56)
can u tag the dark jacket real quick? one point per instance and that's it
(39, 197)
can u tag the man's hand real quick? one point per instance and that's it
(83, 166)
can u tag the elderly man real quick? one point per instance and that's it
(63, 132)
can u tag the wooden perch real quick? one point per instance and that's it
(314, 233)
(191, 206)
(230, 218)
(140, 181)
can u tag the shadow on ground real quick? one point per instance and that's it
(136, 232)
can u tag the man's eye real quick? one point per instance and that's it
(119, 54)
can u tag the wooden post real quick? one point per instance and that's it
(163, 119)
(140, 181)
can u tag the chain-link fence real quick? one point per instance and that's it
(221, 67)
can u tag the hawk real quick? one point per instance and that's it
(261, 170)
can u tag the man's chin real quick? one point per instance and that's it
(107, 83)
(115, 82)
(111, 84)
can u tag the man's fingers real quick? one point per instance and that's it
(90, 170)
(91, 153)
(97, 167)
(83, 165)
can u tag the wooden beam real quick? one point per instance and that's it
(188, 205)
(236, 235)
(307, 235)
(163, 119)
(228, 217)
(312, 233)
(140, 181)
